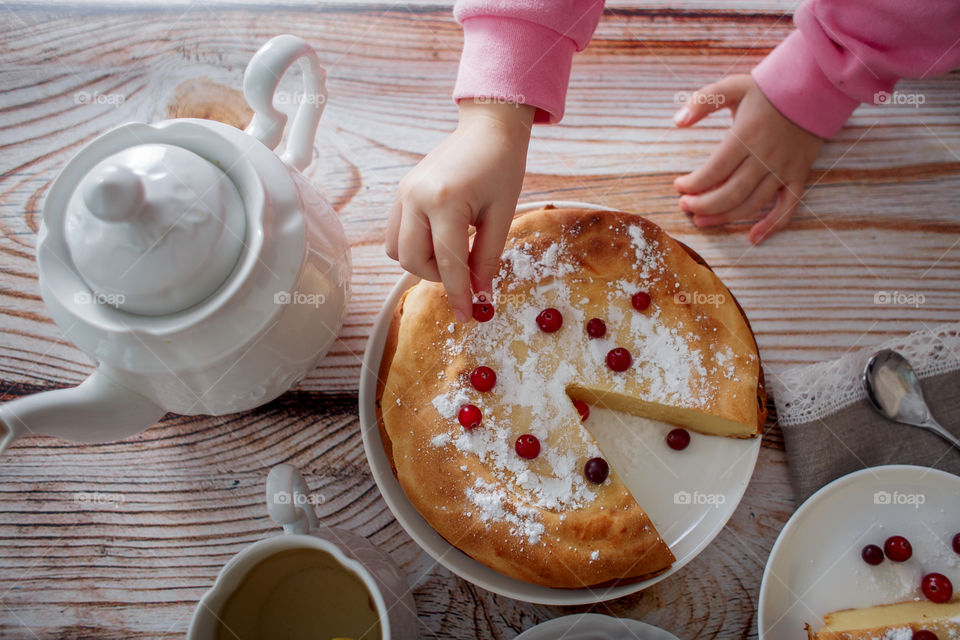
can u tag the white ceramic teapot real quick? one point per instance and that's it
(202, 271)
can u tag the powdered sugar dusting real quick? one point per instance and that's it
(725, 362)
(440, 439)
(663, 357)
(493, 444)
(494, 506)
(648, 259)
(533, 377)
(447, 405)
(526, 266)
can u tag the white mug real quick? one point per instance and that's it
(288, 501)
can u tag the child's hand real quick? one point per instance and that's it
(763, 154)
(473, 178)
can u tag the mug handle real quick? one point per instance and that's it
(260, 82)
(288, 500)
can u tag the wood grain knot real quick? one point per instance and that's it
(209, 100)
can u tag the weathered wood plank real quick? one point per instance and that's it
(616, 148)
(123, 539)
(120, 540)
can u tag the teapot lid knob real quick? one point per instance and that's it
(115, 195)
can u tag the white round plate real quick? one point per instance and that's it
(593, 626)
(689, 495)
(815, 566)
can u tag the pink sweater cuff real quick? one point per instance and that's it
(794, 83)
(516, 61)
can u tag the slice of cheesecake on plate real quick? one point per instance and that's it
(897, 621)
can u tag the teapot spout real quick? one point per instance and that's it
(98, 410)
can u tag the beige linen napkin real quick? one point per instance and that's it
(830, 430)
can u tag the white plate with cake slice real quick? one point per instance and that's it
(689, 495)
(816, 566)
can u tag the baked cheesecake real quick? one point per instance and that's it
(602, 308)
(898, 621)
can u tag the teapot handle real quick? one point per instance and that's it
(288, 500)
(260, 82)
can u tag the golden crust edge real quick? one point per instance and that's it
(761, 384)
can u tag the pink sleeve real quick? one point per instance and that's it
(845, 52)
(521, 50)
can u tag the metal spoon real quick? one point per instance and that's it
(894, 391)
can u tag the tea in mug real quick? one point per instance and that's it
(299, 594)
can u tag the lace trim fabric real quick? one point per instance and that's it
(811, 392)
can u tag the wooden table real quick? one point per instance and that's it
(120, 540)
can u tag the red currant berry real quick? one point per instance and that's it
(956, 543)
(619, 359)
(482, 311)
(898, 548)
(527, 446)
(549, 320)
(596, 470)
(936, 587)
(640, 300)
(678, 439)
(483, 378)
(582, 408)
(924, 634)
(872, 554)
(596, 328)
(469, 416)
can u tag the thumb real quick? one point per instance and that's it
(722, 94)
(487, 247)
(779, 216)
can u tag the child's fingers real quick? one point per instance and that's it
(487, 247)
(393, 229)
(725, 158)
(414, 246)
(780, 216)
(450, 249)
(728, 195)
(713, 97)
(760, 197)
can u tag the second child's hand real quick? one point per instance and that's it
(474, 178)
(763, 155)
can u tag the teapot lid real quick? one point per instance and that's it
(155, 229)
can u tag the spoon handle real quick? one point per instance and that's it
(935, 427)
